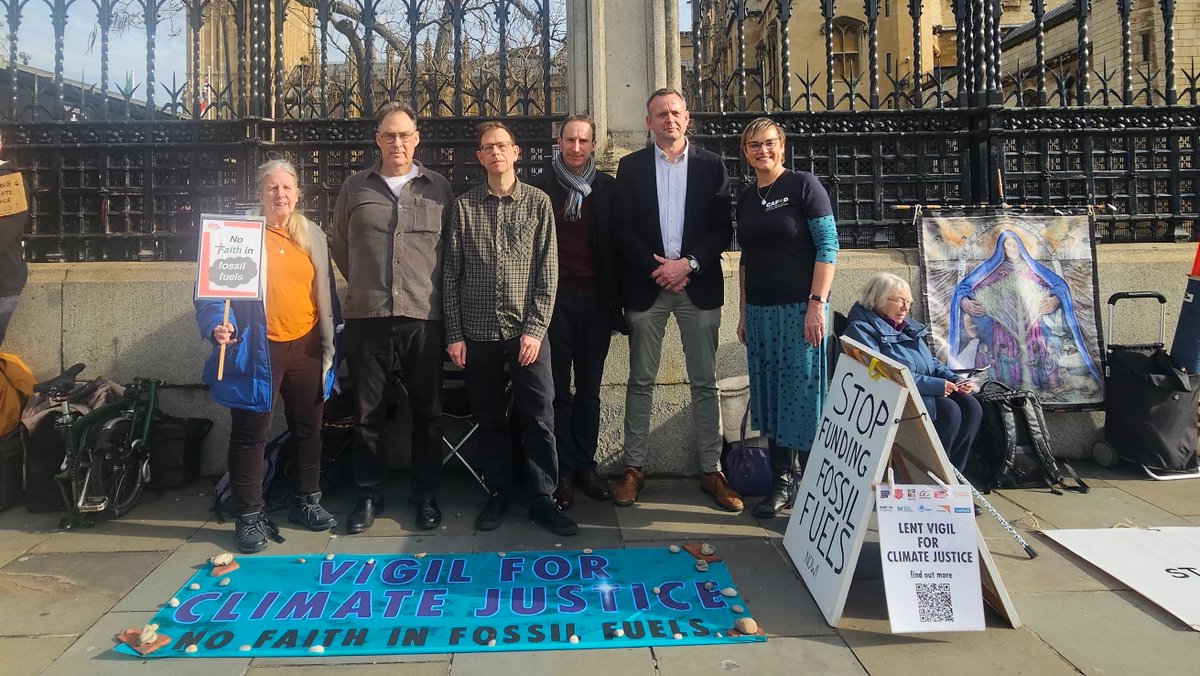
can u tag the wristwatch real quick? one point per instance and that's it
(813, 296)
(693, 263)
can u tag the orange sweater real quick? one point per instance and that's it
(291, 307)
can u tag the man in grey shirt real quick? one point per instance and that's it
(387, 241)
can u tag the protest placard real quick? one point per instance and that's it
(230, 265)
(927, 542)
(12, 194)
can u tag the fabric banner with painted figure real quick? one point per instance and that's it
(278, 606)
(1015, 290)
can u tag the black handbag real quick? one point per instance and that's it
(747, 468)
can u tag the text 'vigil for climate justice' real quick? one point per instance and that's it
(846, 435)
(460, 600)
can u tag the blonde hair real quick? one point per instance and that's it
(879, 288)
(759, 125)
(297, 225)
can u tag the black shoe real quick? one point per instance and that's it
(978, 511)
(545, 512)
(363, 516)
(782, 496)
(428, 514)
(307, 511)
(252, 531)
(493, 513)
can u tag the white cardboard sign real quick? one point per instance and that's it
(1162, 564)
(231, 257)
(927, 541)
(828, 522)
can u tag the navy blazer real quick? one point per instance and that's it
(707, 227)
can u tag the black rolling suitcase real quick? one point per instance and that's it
(1150, 406)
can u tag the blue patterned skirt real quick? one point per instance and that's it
(788, 377)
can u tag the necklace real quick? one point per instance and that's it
(763, 197)
(275, 232)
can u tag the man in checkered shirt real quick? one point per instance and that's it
(500, 273)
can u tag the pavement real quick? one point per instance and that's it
(64, 595)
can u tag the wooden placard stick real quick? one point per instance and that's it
(221, 357)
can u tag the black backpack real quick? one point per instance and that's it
(1012, 449)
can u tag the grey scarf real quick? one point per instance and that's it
(578, 186)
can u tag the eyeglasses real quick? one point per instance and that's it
(502, 147)
(392, 136)
(769, 144)
(906, 302)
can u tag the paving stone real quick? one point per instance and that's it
(1054, 570)
(14, 544)
(623, 661)
(597, 530)
(999, 650)
(1024, 520)
(93, 654)
(159, 586)
(1101, 508)
(826, 655)
(433, 663)
(156, 523)
(774, 593)
(1112, 633)
(370, 544)
(28, 656)
(669, 508)
(1177, 497)
(55, 594)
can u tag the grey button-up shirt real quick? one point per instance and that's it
(501, 265)
(389, 248)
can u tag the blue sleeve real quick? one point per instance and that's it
(930, 386)
(825, 238)
(208, 316)
(859, 331)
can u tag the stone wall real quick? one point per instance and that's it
(126, 320)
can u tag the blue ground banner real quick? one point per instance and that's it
(278, 606)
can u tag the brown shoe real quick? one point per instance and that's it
(715, 485)
(625, 492)
(593, 485)
(564, 495)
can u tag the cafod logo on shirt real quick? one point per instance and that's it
(775, 204)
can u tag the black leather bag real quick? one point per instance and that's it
(747, 467)
(1012, 449)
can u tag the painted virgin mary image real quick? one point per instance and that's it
(1014, 314)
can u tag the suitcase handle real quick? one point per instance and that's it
(1123, 295)
(1162, 311)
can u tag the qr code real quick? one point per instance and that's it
(933, 602)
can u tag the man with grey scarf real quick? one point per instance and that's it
(586, 308)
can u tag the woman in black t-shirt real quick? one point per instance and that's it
(789, 249)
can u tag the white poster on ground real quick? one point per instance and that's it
(927, 541)
(854, 437)
(1162, 564)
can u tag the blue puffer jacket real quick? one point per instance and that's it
(907, 347)
(246, 382)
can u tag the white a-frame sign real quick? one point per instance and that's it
(869, 418)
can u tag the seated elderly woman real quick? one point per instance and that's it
(879, 321)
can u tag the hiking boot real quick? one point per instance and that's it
(625, 493)
(544, 511)
(493, 513)
(252, 531)
(714, 484)
(307, 511)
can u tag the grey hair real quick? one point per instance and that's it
(877, 290)
(297, 225)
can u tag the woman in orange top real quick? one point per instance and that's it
(282, 345)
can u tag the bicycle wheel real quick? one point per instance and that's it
(117, 467)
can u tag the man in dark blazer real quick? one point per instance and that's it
(671, 226)
(587, 308)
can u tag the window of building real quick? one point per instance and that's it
(887, 8)
(1145, 47)
(847, 44)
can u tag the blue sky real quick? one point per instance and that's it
(127, 50)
